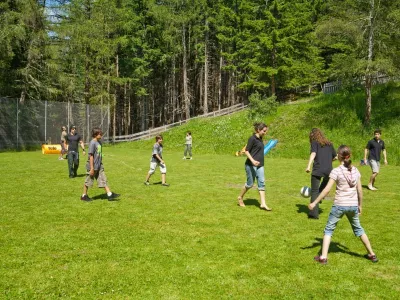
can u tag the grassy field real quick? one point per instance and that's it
(188, 241)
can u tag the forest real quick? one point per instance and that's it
(156, 62)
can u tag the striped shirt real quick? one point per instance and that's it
(346, 185)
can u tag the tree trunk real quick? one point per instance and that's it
(205, 101)
(186, 100)
(368, 75)
(220, 82)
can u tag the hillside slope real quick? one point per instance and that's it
(339, 115)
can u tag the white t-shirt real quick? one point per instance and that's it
(346, 185)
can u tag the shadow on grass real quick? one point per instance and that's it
(100, 197)
(303, 209)
(253, 202)
(334, 247)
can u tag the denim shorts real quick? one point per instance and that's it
(253, 172)
(337, 213)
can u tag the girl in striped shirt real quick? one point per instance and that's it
(348, 201)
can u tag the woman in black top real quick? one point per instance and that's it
(322, 153)
(254, 165)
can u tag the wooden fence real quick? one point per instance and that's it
(147, 134)
(334, 86)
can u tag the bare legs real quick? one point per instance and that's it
(262, 198)
(327, 240)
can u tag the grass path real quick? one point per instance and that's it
(188, 241)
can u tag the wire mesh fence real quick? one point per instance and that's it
(33, 123)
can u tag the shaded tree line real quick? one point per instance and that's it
(161, 61)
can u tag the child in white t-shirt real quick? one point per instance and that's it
(348, 201)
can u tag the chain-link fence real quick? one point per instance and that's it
(30, 124)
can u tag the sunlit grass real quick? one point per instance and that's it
(190, 240)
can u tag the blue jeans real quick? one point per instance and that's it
(253, 172)
(337, 213)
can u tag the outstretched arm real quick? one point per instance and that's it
(323, 194)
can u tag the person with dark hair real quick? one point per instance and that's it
(95, 168)
(157, 160)
(348, 201)
(64, 134)
(322, 154)
(188, 145)
(254, 165)
(72, 141)
(375, 147)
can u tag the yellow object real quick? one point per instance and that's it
(51, 149)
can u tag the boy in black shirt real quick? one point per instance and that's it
(375, 147)
(72, 140)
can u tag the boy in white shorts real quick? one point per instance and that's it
(157, 160)
(375, 147)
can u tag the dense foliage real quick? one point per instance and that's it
(161, 61)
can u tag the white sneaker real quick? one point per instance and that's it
(191, 158)
(184, 158)
(370, 187)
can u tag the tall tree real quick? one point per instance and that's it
(360, 38)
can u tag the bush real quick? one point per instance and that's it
(261, 107)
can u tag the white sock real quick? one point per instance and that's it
(109, 193)
(83, 195)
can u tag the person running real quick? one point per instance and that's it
(254, 165)
(72, 140)
(157, 160)
(348, 201)
(375, 147)
(188, 145)
(64, 134)
(95, 168)
(322, 154)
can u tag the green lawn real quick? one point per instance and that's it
(188, 241)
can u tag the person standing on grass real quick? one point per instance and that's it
(95, 168)
(157, 160)
(375, 147)
(254, 165)
(322, 154)
(64, 134)
(72, 140)
(188, 145)
(348, 201)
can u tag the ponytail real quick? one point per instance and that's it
(344, 154)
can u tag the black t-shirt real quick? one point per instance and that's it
(323, 159)
(255, 146)
(73, 141)
(375, 147)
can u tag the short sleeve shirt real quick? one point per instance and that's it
(255, 146)
(346, 195)
(73, 141)
(157, 149)
(95, 149)
(375, 147)
(323, 159)
(188, 140)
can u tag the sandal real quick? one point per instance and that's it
(240, 202)
(372, 258)
(322, 261)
